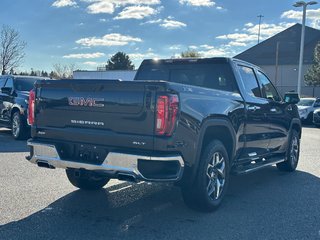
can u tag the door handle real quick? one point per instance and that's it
(253, 108)
(273, 110)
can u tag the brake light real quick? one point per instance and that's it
(167, 111)
(32, 97)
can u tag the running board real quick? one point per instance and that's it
(251, 167)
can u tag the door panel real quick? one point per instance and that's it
(257, 126)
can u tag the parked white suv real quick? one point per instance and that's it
(306, 107)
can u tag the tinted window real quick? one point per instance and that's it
(268, 89)
(306, 102)
(216, 75)
(317, 103)
(24, 84)
(9, 83)
(250, 81)
(2, 82)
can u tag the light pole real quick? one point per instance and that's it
(260, 16)
(304, 5)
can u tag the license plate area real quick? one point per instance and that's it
(85, 153)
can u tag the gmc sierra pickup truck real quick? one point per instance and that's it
(189, 121)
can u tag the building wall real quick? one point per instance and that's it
(287, 79)
(125, 75)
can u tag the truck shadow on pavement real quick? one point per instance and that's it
(267, 204)
(8, 144)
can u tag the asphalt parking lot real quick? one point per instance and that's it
(41, 204)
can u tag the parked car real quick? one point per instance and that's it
(14, 95)
(189, 121)
(306, 107)
(316, 117)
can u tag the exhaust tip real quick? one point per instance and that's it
(45, 165)
(126, 177)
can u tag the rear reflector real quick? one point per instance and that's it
(167, 110)
(32, 97)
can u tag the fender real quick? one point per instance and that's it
(296, 121)
(217, 122)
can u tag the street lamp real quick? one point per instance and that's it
(304, 5)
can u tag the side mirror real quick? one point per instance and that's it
(6, 90)
(291, 98)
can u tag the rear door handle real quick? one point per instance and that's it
(273, 110)
(253, 108)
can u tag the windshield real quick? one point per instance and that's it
(24, 84)
(306, 102)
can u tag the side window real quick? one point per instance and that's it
(250, 81)
(268, 90)
(317, 103)
(2, 82)
(9, 83)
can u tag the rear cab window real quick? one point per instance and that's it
(217, 76)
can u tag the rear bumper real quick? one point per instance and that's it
(116, 165)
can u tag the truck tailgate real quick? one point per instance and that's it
(105, 112)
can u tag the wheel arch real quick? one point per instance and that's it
(220, 129)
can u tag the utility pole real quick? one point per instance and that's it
(260, 16)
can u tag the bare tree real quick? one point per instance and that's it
(63, 71)
(11, 49)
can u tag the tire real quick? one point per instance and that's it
(292, 154)
(86, 180)
(19, 126)
(212, 179)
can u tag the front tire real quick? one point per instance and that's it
(212, 180)
(18, 126)
(292, 154)
(86, 180)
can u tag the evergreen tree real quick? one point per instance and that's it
(312, 77)
(120, 61)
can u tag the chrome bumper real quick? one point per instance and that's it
(114, 163)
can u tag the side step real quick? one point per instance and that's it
(256, 165)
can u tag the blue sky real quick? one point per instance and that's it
(88, 32)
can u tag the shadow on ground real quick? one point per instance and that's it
(264, 205)
(8, 144)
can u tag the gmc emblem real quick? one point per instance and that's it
(86, 102)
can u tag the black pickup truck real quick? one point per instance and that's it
(14, 95)
(190, 121)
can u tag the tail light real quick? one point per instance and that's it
(32, 97)
(167, 111)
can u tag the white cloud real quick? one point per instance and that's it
(85, 55)
(175, 47)
(93, 64)
(64, 3)
(100, 7)
(172, 24)
(141, 56)
(206, 46)
(236, 44)
(215, 52)
(109, 6)
(193, 47)
(136, 12)
(249, 33)
(313, 15)
(113, 39)
(198, 3)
